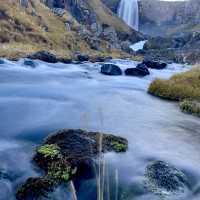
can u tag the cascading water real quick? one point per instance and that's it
(129, 12)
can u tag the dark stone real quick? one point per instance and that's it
(65, 60)
(154, 64)
(163, 178)
(34, 188)
(65, 155)
(140, 70)
(30, 63)
(44, 56)
(111, 69)
(1, 62)
(82, 57)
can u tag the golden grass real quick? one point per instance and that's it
(184, 87)
(21, 32)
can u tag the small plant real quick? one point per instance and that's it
(119, 147)
(49, 150)
(60, 171)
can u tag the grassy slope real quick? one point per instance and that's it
(22, 32)
(184, 87)
(105, 15)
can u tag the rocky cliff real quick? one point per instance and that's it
(168, 18)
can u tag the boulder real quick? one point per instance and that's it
(141, 70)
(111, 69)
(155, 64)
(30, 63)
(164, 179)
(44, 56)
(65, 155)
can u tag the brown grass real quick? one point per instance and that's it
(184, 87)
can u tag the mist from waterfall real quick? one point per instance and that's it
(129, 12)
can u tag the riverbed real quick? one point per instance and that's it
(37, 101)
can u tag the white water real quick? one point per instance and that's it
(35, 102)
(129, 12)
(138, 46)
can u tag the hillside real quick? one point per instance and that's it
(35, 27)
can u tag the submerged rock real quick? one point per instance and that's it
(111, 69)
(140, 70)
(1, 62)
(164, 179)
(44, 56)
(30, 63)
(66, 155)
(154, 64)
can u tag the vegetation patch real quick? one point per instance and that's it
(190, 107)
(49, 150)
(119, 147)
(60, 171)
(180, 87)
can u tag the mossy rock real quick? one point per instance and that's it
(68, 154)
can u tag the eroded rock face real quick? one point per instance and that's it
(66, 155)
(164, 179)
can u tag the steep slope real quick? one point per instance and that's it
(24, 30)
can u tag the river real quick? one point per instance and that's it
(36, 101)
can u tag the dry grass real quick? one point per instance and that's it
(184, 87)
(22, 32)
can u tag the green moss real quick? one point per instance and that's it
(49, 150)
(190, 107)
(60, 171)
(119, 147)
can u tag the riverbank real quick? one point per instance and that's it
(184, 87)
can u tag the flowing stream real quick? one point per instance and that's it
(36, 101)
(128, 10)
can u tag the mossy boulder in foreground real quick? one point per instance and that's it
(66, 155)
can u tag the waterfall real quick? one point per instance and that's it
(129, 12)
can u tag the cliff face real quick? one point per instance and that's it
(168, 18)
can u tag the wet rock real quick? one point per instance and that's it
(65, 60)
(82, 57)
(30, 63)
(66, 155)
(1, 62)
(34, 188)
(111, 69)
(141, 70)
(154, 64)
(164, 179)
(44, 56)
